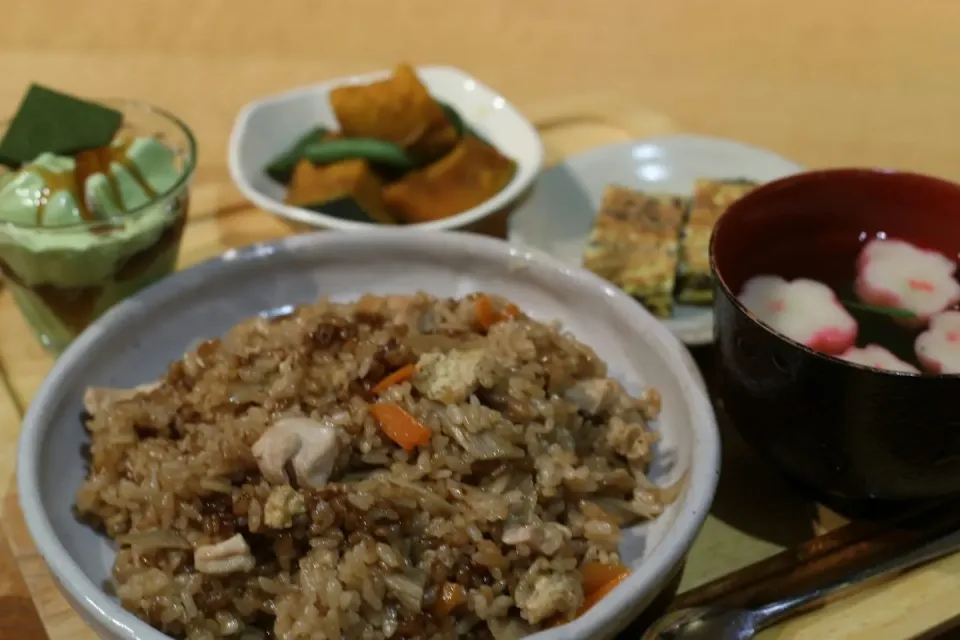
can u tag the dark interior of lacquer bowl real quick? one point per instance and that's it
(843, 430)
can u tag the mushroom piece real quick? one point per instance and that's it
(230, 556)
(309, 446)
(97, 399)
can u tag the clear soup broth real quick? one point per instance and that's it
(895, 291)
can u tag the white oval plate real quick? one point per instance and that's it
(135, 341)
(557, 218)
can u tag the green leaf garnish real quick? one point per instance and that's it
(886, 311)
(52, 121)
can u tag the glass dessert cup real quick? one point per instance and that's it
(64, 277)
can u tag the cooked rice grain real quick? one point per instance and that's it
(535, 462)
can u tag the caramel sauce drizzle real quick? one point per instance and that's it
(87, 164)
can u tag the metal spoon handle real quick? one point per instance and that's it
(775, 612)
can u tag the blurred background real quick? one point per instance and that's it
(857, 82)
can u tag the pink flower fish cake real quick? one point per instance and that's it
(938, 348)
(803, 310)
(873, 355)
(896, 274)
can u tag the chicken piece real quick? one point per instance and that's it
(230, 556)
(398, 110)
(97, 399)
(448, 377)
(283, 504)
(542, 594)
(310, 447)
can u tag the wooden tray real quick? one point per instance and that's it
(757, 540)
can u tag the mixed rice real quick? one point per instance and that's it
(398, 467)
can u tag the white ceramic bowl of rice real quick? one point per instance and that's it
(135, 342)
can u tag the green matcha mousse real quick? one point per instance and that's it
(80, 233)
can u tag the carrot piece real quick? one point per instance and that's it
(451, 595)
(595, 574)
(617, 575)
(598, 580)
(486, 316)
(398, 425)
(400, 375)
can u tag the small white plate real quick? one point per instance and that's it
(266, 127)
(558, 217)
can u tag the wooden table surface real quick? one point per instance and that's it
(826, 83)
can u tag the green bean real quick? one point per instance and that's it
(370, 149)
(281, 167)
(318, 151)
(453, 117)
(462, 127)
(886, 311)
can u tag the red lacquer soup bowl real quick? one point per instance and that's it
(842, 429)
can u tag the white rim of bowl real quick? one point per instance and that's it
(704, 463)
